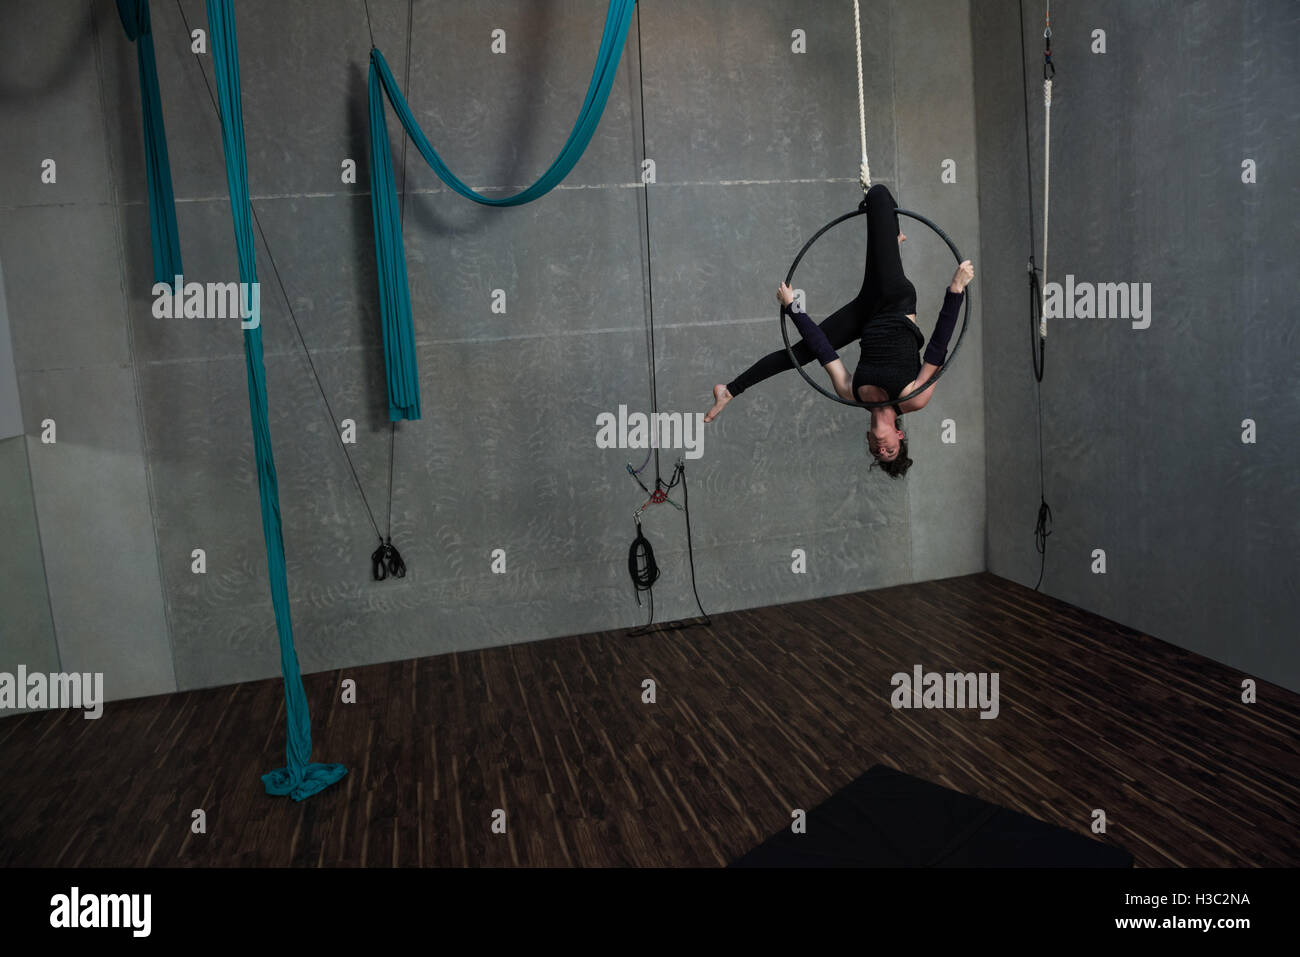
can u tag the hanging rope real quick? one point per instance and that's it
(641, 564)
(1043, 526)
(864, 172)
(1037, 290)
(649, 275)
(1047, 158)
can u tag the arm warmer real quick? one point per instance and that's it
(812, 335)
(937, 351)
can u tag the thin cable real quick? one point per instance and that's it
(311, 365)
(649, 258)
(406, 140)
(641, 563)
(369, 28)
(1024, 79)
(1043, 524)
(1037, 322)
(1037, 291)
(288, 305)
(401, 218)
(649, 622)
(690, 547)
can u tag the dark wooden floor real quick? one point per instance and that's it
(769, 710)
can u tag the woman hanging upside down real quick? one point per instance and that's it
(883, 318)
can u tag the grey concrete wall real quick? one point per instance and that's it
(26, 629)
(60, 244)
(755, 148)
(1142, 429)
(26, 626)
(11, 413)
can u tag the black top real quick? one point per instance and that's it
(890, 355)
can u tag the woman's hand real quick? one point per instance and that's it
(964, 274)
(784, 294)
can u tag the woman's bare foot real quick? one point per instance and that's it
(720, 398)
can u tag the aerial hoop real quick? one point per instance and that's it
(785, 332)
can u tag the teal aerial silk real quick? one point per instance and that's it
(300, 778)
(394, 293)
(162, 203)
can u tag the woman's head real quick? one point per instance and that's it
(887, 443)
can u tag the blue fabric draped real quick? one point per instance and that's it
(394, 293)
(134, 15)
(300, 778)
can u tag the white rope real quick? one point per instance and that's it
(1047, 172)
(1047, 195)
(864, 172)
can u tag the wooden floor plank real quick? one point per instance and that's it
(766, 711)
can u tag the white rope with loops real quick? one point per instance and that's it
(1047, 181)
(864, 172)
(1047, 194)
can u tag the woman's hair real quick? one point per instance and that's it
(898, 466)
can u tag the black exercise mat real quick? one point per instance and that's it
(890, 819)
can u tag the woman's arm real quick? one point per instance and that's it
(816, 340)
(936, 351)
(840, 378)
(919, 402)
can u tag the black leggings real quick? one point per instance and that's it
(885, 288)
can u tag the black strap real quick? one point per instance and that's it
(1037, 341)
(1042, 529)
(387, 560)
(1047, 53)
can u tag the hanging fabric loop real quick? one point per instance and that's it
(164, 235)
(394, 290)
(300, 778)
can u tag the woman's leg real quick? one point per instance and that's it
(842, 327)
(884, 280)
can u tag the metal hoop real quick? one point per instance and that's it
(785, 332)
